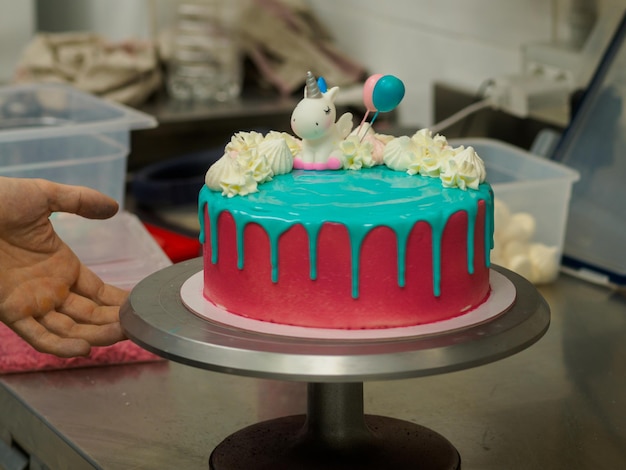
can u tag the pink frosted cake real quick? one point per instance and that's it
(367, 231)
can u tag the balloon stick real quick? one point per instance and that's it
(374, 118)
(371, 124)
(362, 122)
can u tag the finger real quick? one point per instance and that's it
(111, 295)
(79, 200)
(89, 285)
(86, 311)
(45, 341)
(95, 335)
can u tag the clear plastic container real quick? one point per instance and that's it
(528, 184)
(64, 135)
(61, 134)
(119, 250)
(206, 63)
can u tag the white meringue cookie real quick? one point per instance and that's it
(216, 172)
(278, 155)
(545, 262)
(230, 177)
(294, 144)
(521, 265)
(501, 214)
(525, 224)
(400, 153)
(521, 227)
(515, 248)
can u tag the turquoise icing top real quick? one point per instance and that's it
(360, 200)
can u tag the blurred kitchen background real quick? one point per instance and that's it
(445, 51)
(511, 71)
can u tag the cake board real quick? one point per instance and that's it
(335, 433)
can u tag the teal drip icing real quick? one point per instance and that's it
(201, 206)
(240, 227)
(402, 238)
(472, 213)
(274, 232)
(357, 235)
(214, 238)
(313, 231)
(204, 197)
(437, 225)
(361, 201)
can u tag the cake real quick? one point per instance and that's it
(371, 231)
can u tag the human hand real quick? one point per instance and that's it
(47, 296)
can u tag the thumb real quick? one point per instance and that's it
(79, 200)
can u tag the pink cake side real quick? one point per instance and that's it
(295, 298)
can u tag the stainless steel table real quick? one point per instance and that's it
(162, 314)
(560, 404)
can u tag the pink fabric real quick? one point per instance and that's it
(18, 356)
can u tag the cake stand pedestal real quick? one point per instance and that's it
(335, 433)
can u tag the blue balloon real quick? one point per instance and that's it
(388, 92)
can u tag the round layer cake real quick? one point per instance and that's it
(374, 248)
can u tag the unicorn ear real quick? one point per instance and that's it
(330, 94)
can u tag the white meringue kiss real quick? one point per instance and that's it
(278, 155)
(400, 153)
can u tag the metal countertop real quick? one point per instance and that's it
(560, 404)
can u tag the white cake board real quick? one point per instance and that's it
(501, 298)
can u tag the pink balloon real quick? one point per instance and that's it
(368, 91)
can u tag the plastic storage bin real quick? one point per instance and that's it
(529, 185)
(64, 135)
(119, 250)
(59, 133)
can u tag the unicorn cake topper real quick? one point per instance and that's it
(251, 158)
(313, 120)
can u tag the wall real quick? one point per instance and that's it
(16, 30)
(459, 42)
(114, 19)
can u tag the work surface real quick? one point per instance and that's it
(561, 404)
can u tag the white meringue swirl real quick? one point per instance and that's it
(465, 170)
(357, 154)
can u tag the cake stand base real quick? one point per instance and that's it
(394, 444)
(335, 435)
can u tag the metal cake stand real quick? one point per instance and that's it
(335, 433)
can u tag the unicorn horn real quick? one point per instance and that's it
(312, 90)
